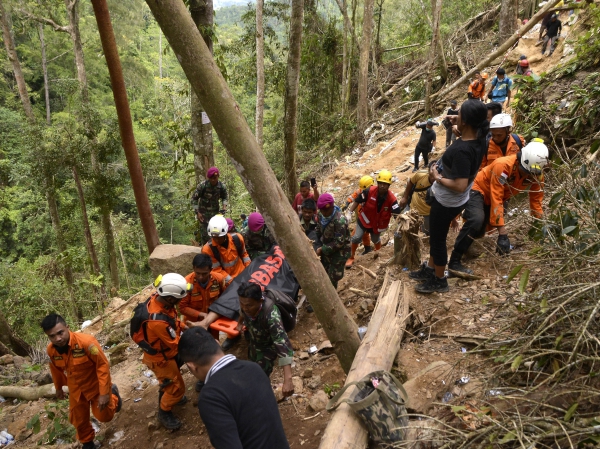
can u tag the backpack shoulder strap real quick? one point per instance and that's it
(517, 140)
(267, 308)
(163, 317)
(238, 245)
(487, 144)
(215, 252)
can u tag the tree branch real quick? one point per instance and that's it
(45, 21)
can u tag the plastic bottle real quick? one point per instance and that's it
(7, 435)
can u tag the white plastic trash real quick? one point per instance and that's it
(7, 435)
(85, 324)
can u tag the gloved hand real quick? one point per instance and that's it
(503, 245)
(348, 216)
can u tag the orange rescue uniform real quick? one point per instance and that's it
(477, 89)
(494, 151)
(200, 298)
(501, 181)
(163, 338)
(231, 263)
(85, 370)
(366, 239)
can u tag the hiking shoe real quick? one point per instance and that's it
(229, 343)
(309, 308)
(115, 391)
(415, 170)
(455, 265)
(168, 420)
(199, 386)
(91, 445)
(433, 284)
(367, 250)
(423, 273)
(182, 401)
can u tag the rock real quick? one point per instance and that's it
(318, 401)
(18, 361)
(116, 337)
(448, 305)
(429, 378)
(115, 303)
(151, 415)
(23, 434)
(307, 374)
(44, 378)
(118, 353)
(152, 426)
(298, 384)
(173, 259)
(6, 359)
(302, 355)
(314, 383)
(159, 446)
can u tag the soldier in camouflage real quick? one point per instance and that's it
(205, 201)
(257, 237)
(268, 341)
(332, 231)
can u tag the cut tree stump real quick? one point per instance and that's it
(376, 352)
(407, 246)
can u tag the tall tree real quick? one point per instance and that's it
(436, 9)
(507, 23)
(202, 139)
(9, 44)
(260, 73)
(258, 177)
(290, 120)
(362, 108)
(45, 72)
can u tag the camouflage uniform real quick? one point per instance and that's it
(258, 243)
(205, 200)
(335, 251)
(310, 229)
(268, 340)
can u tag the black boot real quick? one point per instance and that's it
(455, 264)
(432, 285)
(115, 391)
(230, 343)
(182, 401)
(423, 273)
(367, 250)
(90, 445)
(168, 420)
(199, 386)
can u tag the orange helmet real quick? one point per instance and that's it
(484, 75)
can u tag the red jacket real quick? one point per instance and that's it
(370, 218)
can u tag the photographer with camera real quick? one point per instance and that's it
(452, 178)
(426, 143)
(452, 110)
(305, 193)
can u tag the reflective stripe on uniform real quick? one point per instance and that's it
(246, 259)
(216, 265)
(230, 264)
(379, 231)
(228, 279)
(362, 214)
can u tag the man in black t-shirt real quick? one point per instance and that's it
(552, 34)
(426, 142)
(236, 403)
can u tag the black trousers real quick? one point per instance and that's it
(476, 216)
(450, 137)
(440, 218)
(425, 153)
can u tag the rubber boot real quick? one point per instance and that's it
(115, 391)
(366, 241)
(168, 420)
(353, 248)
(378, 246)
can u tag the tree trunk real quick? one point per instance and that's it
(30, 393)
(89, 241)
(507, 22)
(499, 51)
(9, 44)
(257, 175)
(73, 16)
(201, 128)
(436, 10)
(343, 8)
(109, 235)
(45, 72)
(362, 108)
(60, 241)
(10, 340)
(260, 73)
(125, 124)
(376, 352)
(290, 120)
(160, 75)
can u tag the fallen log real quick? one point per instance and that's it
(409, 77)
(30, 393)
(376, 352)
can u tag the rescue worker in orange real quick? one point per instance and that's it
(163, 336)
(77, 361)
(477, 87)
(230, 250)
(378, 206)
(364, 183)
(502, 142)
(506, 177)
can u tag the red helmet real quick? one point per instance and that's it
(524, 63)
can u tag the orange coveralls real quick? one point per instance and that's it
(164, 339)
(366, 239)
(86, 371)
(231, 263)
(494, 151)
(477, 89)
(501, 181)
(199, 299)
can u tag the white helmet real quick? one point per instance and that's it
(534, 156)
(217, 226)
(501, 121)
(172, 284)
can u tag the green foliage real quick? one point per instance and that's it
(59, 427)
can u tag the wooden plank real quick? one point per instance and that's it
(376, 352)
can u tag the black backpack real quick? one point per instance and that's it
(239, 247)
(139, 320)
(285, 304)
(514, 136)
